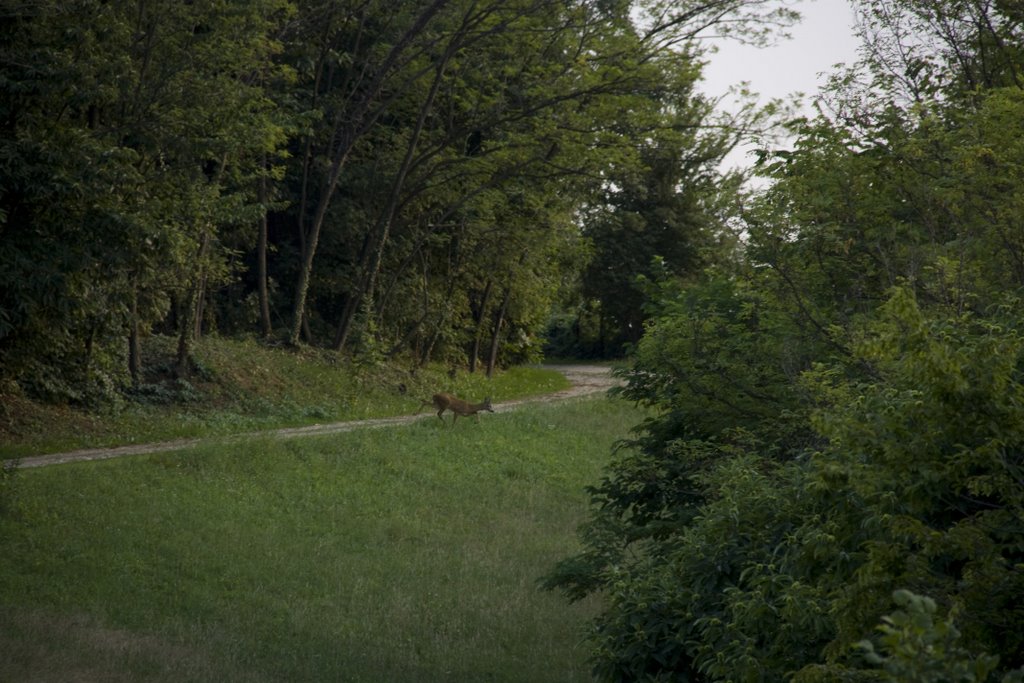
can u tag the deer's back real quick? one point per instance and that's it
(442, 400)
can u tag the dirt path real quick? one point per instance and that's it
(585, 379)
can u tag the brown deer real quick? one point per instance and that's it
(458, 407)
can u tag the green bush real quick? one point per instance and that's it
(728, 558)
(913, 646)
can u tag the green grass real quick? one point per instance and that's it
(396, 554)
(244, 386)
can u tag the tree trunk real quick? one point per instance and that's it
(266, 327)
(306, 267)
(428, 350)
(499, 315)
(134, 347)
(300, 317)
(200, 304)
(478, 318)
(185, 338)
(499, 318)
(188, 322)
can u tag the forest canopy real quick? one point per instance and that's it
(422, 179)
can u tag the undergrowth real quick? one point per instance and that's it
(240, 386)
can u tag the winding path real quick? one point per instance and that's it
(585, 379)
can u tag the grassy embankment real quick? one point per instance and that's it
(241, 387)
(406, 553)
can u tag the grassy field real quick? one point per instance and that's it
(245, 386)
(399, 554)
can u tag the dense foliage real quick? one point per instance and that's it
(833, 489)
(833, 486)
(381, 178)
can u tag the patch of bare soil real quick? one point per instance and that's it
(585, 379)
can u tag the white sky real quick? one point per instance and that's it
(822, 38)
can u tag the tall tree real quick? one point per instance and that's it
(360, 109)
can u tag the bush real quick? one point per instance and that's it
(731, 555)
(912, 646)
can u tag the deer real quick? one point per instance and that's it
(443, 402)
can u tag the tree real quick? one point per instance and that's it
(363, 106)
(837, 410)
(654, 216)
